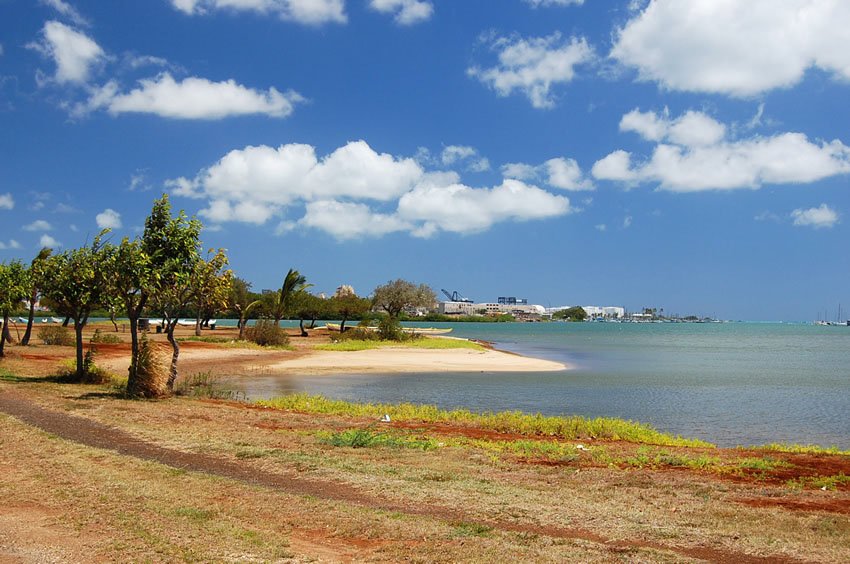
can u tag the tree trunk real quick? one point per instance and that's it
(134, 350)
(26, 340)
(342, 326)
(301, 325)
(3, 332)
(112, 319)
(78, 331)
(241, 326)
(65, 323)
(175, 347)
(198, 324)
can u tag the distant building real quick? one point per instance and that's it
(516, 309)
(595, 312)
(511, 301)
(456, 308)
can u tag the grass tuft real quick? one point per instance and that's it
(803, 449)
(364, 438)
(574, 427)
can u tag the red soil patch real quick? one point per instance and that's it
(841, 506)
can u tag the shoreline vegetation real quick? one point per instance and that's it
(203, 477)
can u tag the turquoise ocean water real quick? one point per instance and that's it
(728, 383)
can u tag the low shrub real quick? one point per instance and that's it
(203, 385)
(267, 333)
(56, 335)
(92, 374)
(105, 338)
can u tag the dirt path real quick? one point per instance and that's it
(93, 434)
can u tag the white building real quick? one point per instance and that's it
(514, 309)
(607, 312)
(456, 308)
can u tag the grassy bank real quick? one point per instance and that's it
(574, 427)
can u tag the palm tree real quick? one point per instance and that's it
(293, 283)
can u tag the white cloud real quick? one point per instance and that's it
(12, 244)
(191, 98)
(346, 220)
(1, 49)
(407, 12)
(108, 219)
(627, 222)
(462, 209)
(735, 48)
(546, 3)
(74, 53)
(532, 66)
(7, 202)
(48, 241)
(697, 156)
(456, 153)
(559, 172)
(38, 225)
(356, 192)
(310, 12)
(601, 227)
(66, 10)
(820, 217)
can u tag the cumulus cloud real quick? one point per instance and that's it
(7, 202)
(38, 225)
(12, 244)
(532, 66)
(48, 241)
(74, 53)
(735, 48)
(310, 12)
(462, 153)
(191, 98)
(67, 10)
(693, 154)
(819, 217)
(559, 172)
(406, 12)
(357, 192)
(108, 219)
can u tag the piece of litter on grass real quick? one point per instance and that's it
(385, 418)
(581, 447)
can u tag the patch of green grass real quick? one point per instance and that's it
(204, 385)
(194, 514)
(765, 464)
(524, 448)
(821, 482)
(467, 529)
(423, 343)
(365, 438)
(235, 343)
(574, 427)
(803, 449)
(253, 452)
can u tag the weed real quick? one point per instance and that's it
(821, 482)
(194, 514)
(803, 449)
(203, 385)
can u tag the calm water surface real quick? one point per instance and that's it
(729, 383)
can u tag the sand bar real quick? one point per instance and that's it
(399, 360)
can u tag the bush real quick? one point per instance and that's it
(267, 333)
(57, 335)
(92, 374)
(390, 329)
(105, 338)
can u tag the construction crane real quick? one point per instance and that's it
(455, 297)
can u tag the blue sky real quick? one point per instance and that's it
(689, 156)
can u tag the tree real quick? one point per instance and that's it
(36, 276)
(172, 244)
(210, 286)
(348, 306)
(14, 288)
(575, 313)
(393, 297)
(131, 274)
(307, 306)
(241, 300)
(77, 281)
(278, 302)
